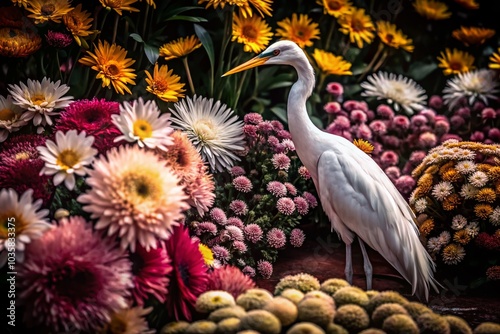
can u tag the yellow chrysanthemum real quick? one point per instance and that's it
(78, 22)
(461, 237)
(495, 60)
(180, 47)
(119, 5)
(473, 35)
(331, 64)
(451, 202)
(48, 10)
(207, 254)
(164, 84)
(300, 30)
(263, 7)
(358, 26)
(493, 172)
(483, 210)
(363, 145)
(455, 62)
(426, 227)
(253, 32)
(390, 35)
(468, 4)
(486, 195)
(451, 175)
(432, 10)
(112, 66)
(335, 8)
(18, 43)
(453, 254)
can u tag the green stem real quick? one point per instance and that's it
(74, 65)
(372, 62)
(330, 34)
(240, 87)
(381, 61)
(145, 23)
(188, 74)
(104, 19)
(115, 28)
(321, 81)
(58, 63)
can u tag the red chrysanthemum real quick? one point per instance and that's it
(487, 241)
(150, 270)
(93, 117)
(231, 279)
(189, 277)
(58, 39)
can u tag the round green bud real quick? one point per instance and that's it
(400, 323)
(305, 328)
(351, 295)
(261, 321)
(254, 299)
(213, 300)
(330, 286)
(386, 310)
(352, 317)
(316, 310)
(175, 327)
(285, 310)
(302, 282)
(385, 297)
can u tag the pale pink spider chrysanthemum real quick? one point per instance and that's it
(310, 198)
(276, 188)
(206, 227)
(304, 173)
(276, 238)
(301, 205)
(288, 145)
(242, 183)
(218, 215)
(285, 205)
(291, 188)
(221, 253)
(240, 246)
(239, 207)
(235, 221)
(281, 161)
(265, 268)
(297, 237)
(237, 171)
(234, 232)
(253, 232)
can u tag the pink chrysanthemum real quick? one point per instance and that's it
(250, 131)
(285, 205)
(389, 158)
(200, 189)
(311, 199)
(265, 268)
(248, 271)
(427, 140)
(242, 183)
(234, 232)
(276, 188)
(332, 108)
(134, 195)
(73, 278)
(393, 172)
(58, 39)
(335, 88)
(253, 232)
(301, 205)
(221, 253)
(288, 145)
(418, 121)
(276, 238)
(150, 270)
(218, 215)
(281, 161)
(240, 246)
(292, 190)
(358, 116)
(253, 118)
(297, 237)
(304, 173)
(189, 277)
(235, 221)
(384, 111)
(231, 279)
(378, 127)
(93, 117)
(405, 184)
(206, 227)
(238, 207)
(265, 127)
(401, 122)
(237, 171)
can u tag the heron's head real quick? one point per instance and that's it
(279, 53)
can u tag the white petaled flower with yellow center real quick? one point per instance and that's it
(142, 123)
(212, 128)
(12, 117)
(67, 156)
(22, 217)
(40, 99)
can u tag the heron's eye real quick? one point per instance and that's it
(276, 52)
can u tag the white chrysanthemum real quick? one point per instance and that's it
(495, 217)
(40, 99)
(442, 190)
(142, 123)
(434, 245)
(213, 129)
(420, 205)
(444, 238)
(398, 90)
(67, 156)
(478, 179)
(472, 229)
(465, 167)
(468, 191)
(23, 218)
(458, 222)
(472, 86)
(12, 117)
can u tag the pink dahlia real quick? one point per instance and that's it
(301, 205)
(188, 278)
(276, 238)
(93, 117)
(332, 108)
(218, 215)
(238, 207)
(276, 188)
(335, 88)
(297, 237)
(358, 116)
(150, 270)
(401, 122)
(231, 279)
(285, 206)
(265, 268)
(253, 232)
(73, 278)
(384, 111)
(135, 196)
(242, 183)
(389, 158)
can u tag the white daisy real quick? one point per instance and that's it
(478, 179)
(458, 222)
(398, 90)
(442, 190)
(420, 205)
(465, 167)
(40, 99)
(468, 191)
(472, 86)
(11, 117)
(23, 218)
(472, 229)
(495, 216)
(213, 129)
(142, 123)
(67, 156)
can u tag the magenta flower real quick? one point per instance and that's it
(436, 102)
(311, 199)
(405, 184)
(285, 205)
(238, 207)
(393, 172)
(276, 188)
(221, 253)
(291, 188)
(358, 116)
(276, 238)
(265, 127)
(265, 268)
(363, 131)
(384, 111)
(253, 118)
(250, 131)
(234, 232)
(281, 161)
(332, 108)
(335, 88)
(206, 227)
(389, 158)
(235, 221)
(58, 39)
(418, 120)
(249, 271)
(237, 171)
(301, 205)
(218, 215)
(240, 246)
(253, 232)
(304, 173)
(242, 183)
(231, 279)
(488, 113)
(297, 237)
(378, 127)
(427, 140)
(401, 122)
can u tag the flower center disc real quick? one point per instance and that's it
(250, 32)
(143, 129)
(334, 5)
(22, 156)
(48, 9)
(205, 130)
(4, 224)
(38, 99)
(7, 115)
(67, 159)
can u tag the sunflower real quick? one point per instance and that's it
(456, 61)
(358, 26)
(18, 43)
(48, 10)
(495, 60)
(331, 64)
(263, 7)
(119, 5)
(164, 84)
(335, 8)
(473, 35)
(180, 47)
(78, 22)
(390, 35)
(300, 30)
(431, 9)
(468, 4)
(112, 66)
(253, 32)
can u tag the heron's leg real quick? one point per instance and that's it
(366, 265)
(348, 263)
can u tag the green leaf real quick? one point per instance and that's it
(152, 53)
(317, 121)
(280, 113)
(137, 37)
(207, 43)
(419, 70)
(179, 10)
(187, 18)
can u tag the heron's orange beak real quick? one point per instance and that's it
(254, 62)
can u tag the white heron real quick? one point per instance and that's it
(355, 193)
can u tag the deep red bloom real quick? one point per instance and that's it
(487, 241)
(58, 39)
(231, 279)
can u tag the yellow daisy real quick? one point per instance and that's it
(112, 66)
(456, 61)
(164, 84)
(253, 32)
(263, 7)
(335, 8)
(390, 35)
(48, 10)
(78, 22)
(119, 5)
(180, 47)
(358, 26)
(18, 43)
(468, 4)
(363, 145)
(431, 9)
(331, 64)
(495, 60)
(300, 30)
(473, 35)
(207, 254)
